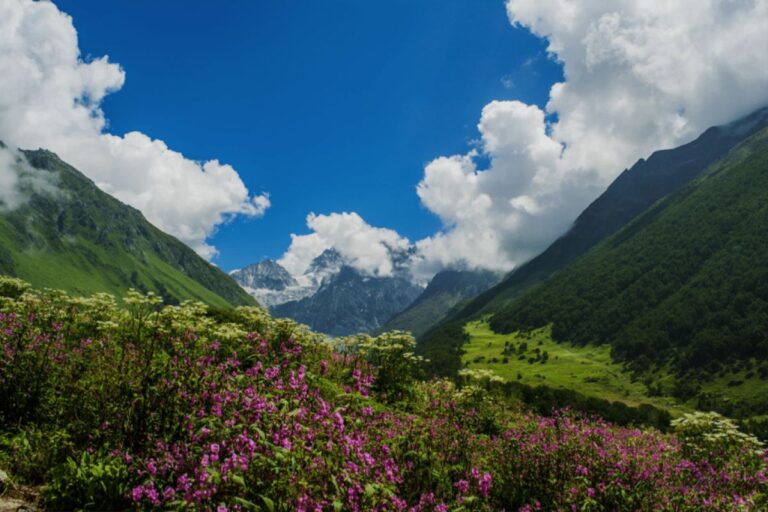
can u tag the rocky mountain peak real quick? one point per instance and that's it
(265, 274)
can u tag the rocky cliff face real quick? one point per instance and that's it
(270, 283)
(350, 302)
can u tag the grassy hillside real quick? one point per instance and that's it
(534, 359)
(632, 193)
(78, 238)
(684, 287)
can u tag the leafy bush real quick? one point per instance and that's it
(93, 482)
(707, 433)
(12, 287)
(31, 452)
(393, 356)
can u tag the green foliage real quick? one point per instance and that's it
(544, 400)
(442, 348)
(477, 395)
(482, 377)
(30, 453)
(392, 355)
(705, 433)
(92, 482)
(12, 287)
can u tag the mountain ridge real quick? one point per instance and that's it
(446, 290)
(741, 168)
(681, 292)
(661, 174)
(331, 296)
(610, 211)
(83, 240)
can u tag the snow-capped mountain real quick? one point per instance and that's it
(269, 283)
(322, 269)
(331, 296)
(350, 302)
(265, 274)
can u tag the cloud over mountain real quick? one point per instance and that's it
(639, 76)
(51, 97)
(363, 247)
(19, 180)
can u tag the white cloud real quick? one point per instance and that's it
(19, 180)
(9, 181)
(50, 97)
(639, 76)
(498, 216)
(362, 246)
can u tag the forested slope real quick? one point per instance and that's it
(634, 191)
(684, 284)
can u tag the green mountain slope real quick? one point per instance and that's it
(682, 289)
(635, 190)
(658, 282)
(76, 237)
(447, 289)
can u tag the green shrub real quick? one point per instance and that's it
(12, 287)
(707, 433)
(94, 482)
(393, 356)
(30, 453)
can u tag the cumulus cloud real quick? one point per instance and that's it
(50, 97)
(639, 76)
(362, 246)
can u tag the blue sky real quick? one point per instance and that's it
(327, 106)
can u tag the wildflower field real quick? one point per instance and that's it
(136, 405)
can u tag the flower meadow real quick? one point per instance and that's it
(136, 405)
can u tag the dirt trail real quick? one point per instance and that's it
(20, 499)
